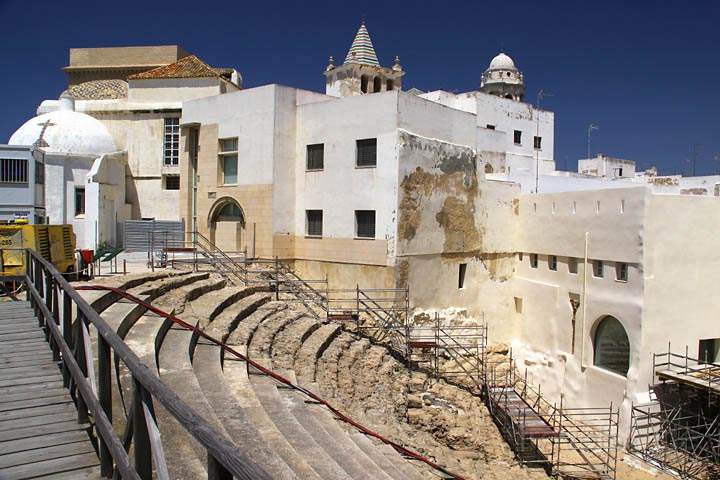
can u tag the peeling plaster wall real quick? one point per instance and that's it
(448, 215)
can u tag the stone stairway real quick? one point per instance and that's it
(290, 435)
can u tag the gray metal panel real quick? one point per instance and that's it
(139, 235)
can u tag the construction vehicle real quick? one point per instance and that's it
(55, 243)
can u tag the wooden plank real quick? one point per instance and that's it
(34, 431)
(16, 382)
(91, 473)
(46, 440)
(37, 345)
(29, 371)
(15, 337)
(38, 410)
(55, 465)
(18, 328)
(34, 397)
(28, 362)
(31, 387)
(34, 402)
(45, 453)
(30, 320)
(21, 423)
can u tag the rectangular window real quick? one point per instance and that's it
(462, 268)
(315, 157)
(533, 260)
(314, 223)
(39, 173)
(172, 141)
(598, 269)
(13, 170)
(572, 265)
(518, 304)
(172, 182)
(79, 201)
(537, 143)
(365, 223)
(518, 137)
(366, 152)
(621, 272)
(490, 127)
(228, 159)
(552, 262)
(709, 350)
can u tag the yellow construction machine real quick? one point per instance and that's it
(55, 243)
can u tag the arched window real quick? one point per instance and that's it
(377, 84)
(611, 346)
(230, 213)
(389, 85)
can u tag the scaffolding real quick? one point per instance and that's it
(453, 352)
(679, 429)
(568, 443)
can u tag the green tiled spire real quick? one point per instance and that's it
(361, 50)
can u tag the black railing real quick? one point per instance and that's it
(67, 318)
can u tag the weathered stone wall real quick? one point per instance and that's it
(449, 215)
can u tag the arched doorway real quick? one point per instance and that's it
(227, 225)
(611, 346)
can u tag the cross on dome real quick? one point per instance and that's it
(40, 142)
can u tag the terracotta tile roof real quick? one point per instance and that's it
(187, 67)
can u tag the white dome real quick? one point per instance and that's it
(66, 131)
(502, 62)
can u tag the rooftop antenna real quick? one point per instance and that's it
(590, 129)
(540, 95)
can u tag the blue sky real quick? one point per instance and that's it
(646, 72)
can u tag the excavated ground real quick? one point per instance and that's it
(446, 423)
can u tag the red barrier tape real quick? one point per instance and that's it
(266, 371)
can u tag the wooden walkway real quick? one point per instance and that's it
(40, 436)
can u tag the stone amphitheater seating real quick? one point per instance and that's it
(291, 436)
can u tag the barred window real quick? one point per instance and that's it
(365, 223)
(172, 182)
(314, 221)
(621, 272)
(537, 143)
(13, 170)
(316, 156)
(172, 141)
(598, 269)
(39, 173)
(366, 152)
(552, 262)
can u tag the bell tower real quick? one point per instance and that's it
(361, 72)
(502, 78)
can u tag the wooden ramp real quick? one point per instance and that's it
(40, 436)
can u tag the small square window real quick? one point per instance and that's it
(621, 272)
(517, 137)
(572, 265)
(533, 260)
(552, 262)
(315, 157)
(462, 268)
(314, 223)
(598, 269)
(79, 201)
(366, 152)
(365, 223)
(709, 350)
(172, 182)
(537, 143)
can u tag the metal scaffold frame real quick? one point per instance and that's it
(571, 443)
(679, 429)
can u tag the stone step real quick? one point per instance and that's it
(277, 408)
(231, 412)
(238, 382)
(327, 366)
(312, 349)
(263, 339)
(335, 442)
(289, 340)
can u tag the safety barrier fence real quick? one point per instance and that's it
(78, 336)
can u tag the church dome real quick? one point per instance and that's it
(65, 131)
(502, 62)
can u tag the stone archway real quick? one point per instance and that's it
(226, 223)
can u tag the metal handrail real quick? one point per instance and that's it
(52, 299)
